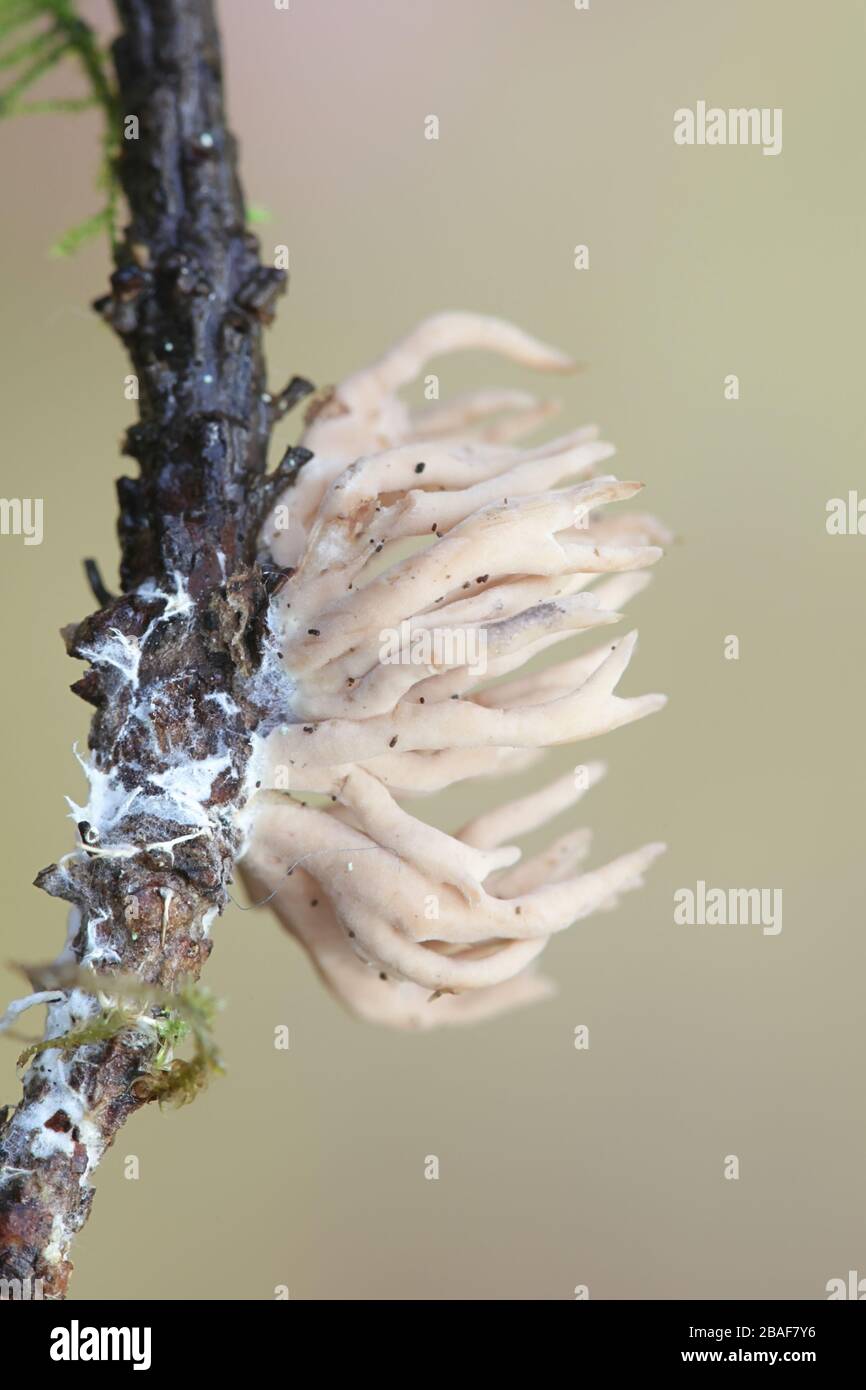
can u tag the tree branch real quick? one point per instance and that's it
(180, 662)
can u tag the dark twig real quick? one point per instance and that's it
(173, 658)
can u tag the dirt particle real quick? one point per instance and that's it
(60, 1122)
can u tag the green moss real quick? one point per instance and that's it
(174, 1080)
(178, 1084)
(108, 1025)
(84, 231)
(35, 37)
(171, 1030)
(173, 1019)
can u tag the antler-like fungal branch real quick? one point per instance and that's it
(426, 559)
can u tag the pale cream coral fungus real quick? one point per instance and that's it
(407, 924)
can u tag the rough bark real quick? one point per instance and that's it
(177, 658)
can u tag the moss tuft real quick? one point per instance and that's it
(107, 1025)
(35, 37)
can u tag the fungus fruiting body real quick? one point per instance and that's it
(429, 558)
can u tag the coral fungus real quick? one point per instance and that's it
(427, 559)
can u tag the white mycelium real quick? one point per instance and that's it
(435, 522)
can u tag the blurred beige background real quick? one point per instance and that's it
(558, 1167)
